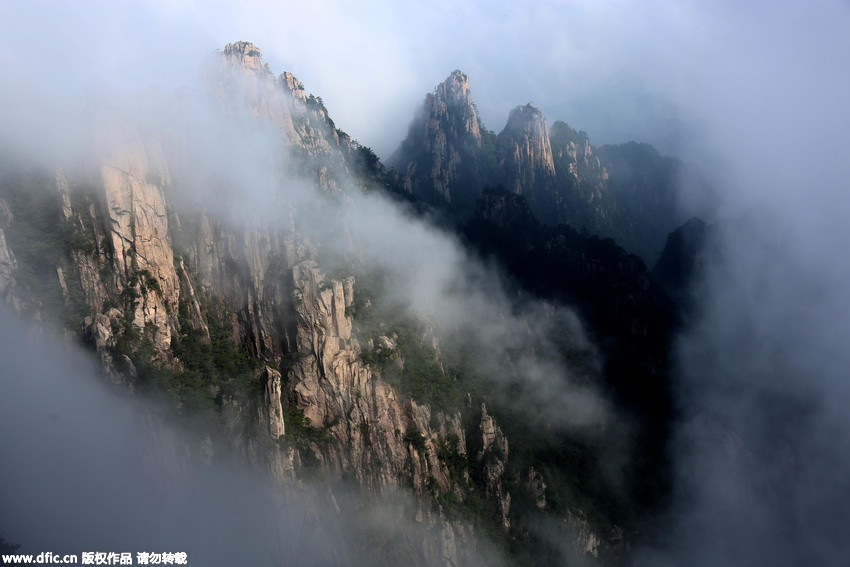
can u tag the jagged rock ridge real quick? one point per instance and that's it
(448, 157)
(439, 157)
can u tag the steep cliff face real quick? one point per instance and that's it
(441, 157)
(448, 160)
(236, 321)
(244, 83)
(583, 174)
(378, 436)
(244, 86)
(573, 151)
(132, 176)
(452, 103)
(528, 160)
(493, 457)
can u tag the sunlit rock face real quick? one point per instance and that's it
(528, 160)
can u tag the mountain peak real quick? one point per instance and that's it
(455, 89)
(246, 55)
(527, 118)
(452, 99)
(293, 85)
(439, 154)
(530, 158)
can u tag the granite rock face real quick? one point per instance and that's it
(493, 457)
(528, 157)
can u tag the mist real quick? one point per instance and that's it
(619, 70)
(83, 471)
(758, 92)
(89, 469)
(763, 473)
(236, 169)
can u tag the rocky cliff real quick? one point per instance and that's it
(528, 161)
(441, 158)
(235, 321)
(251, 321)
(448, 158)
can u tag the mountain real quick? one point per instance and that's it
(234, 321)
(443, 156)
(681, 265)
(448, 157)
(631, 315)
(262, 272)
(527, 156)
(646, 186)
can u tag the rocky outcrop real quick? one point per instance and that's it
(528, 160)
(293, 86)
(378, 436)
(272, 410)
(262, 282)
(452, 102)
(440, 156)
(8, 265)
(536, 487)
(573, 153)
(493, 458)
(134, 174)
(243, 85)
(582, 174)
(624, 192)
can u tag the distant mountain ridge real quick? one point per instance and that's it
(448, 157)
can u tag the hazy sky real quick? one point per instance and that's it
(620, 70)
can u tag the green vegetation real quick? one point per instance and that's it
(298, 427)
(420, 376)
(212, 364)
(409, 362)
(405, 357)
(305, 437)
(448, 451)
(210, 367)
(83, 236)
(146, 282)
(415, 438)
(316, 104)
